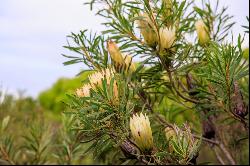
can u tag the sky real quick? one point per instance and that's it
(32, 33)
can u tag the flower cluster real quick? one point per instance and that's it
(84, 91)
(165, 36)
(95, 80)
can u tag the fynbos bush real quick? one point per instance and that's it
(135, 105)
(168, 86)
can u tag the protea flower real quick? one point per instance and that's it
(141, 132)
(167, 37)
(95, 80)
(148, 30)
(202, 32)
(84, 91)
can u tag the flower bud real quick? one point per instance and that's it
(121, 62)
(148, 30)
(129, 65)
(238, 104)
(114, 52)
(167, 37)
(202, 32)
(141, 132)
(168, 7)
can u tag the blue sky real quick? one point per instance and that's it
(32, 33)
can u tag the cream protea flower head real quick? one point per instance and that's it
(141, 131)
(84, 91)
(114, 52)
(202, 32)
(167, 37)
(148, 30)
(96, 78)
(95, 81)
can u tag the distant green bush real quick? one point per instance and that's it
(52, 99)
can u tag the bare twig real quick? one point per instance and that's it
(207, 140)
(219, 158)
(227, 154)
(6, 156)
(177, 91)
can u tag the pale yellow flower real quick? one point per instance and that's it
(167, 37)
(95, 81)
(96, 78)
(148, 30)
(202, 32)
(84, 91)
(5, 123)
(141, 131)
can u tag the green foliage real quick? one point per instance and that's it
(90, 50)
(37, 143)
